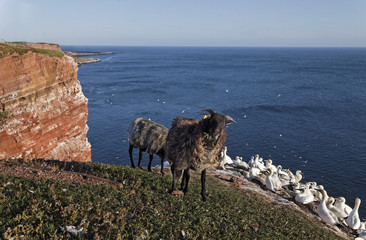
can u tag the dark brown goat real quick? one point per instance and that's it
(197, 145)
(148, 136)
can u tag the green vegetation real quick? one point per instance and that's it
(142, 208)
(21, 48)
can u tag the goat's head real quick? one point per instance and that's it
(213, 124)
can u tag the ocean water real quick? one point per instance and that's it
(304, 108)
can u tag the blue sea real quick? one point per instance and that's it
(304, 108)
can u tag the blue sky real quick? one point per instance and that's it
(332, 23)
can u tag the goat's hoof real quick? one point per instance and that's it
(177, 193)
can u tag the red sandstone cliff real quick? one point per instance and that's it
(47, 110)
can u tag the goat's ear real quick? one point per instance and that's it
(229, 120)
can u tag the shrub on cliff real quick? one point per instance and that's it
(3, 116)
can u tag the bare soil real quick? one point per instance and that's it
(20, 168)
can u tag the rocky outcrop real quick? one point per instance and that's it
(81, 59)
(43, 107)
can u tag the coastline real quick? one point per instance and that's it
(80, 58)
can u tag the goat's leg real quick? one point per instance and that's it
(140, 157)
(162, 166)
(173, 183)
(149, 167)
(183, 183)
(130, 152)
(203, 182)
(187, 174)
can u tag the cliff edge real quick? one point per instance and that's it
(43, 111)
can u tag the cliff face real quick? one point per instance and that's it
(45, 107)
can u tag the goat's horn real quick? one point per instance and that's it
(209, 111)
(229, 120)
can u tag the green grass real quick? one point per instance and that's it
(20, 48)
(38, 208)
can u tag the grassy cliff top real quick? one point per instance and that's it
(50, 199)
(22, 48)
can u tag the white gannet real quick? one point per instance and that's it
(362, 234)
(281, 173)
(361, 237)
(353, 220)
(251, 161)
(283, 176)
(298, 176)
(240, 163)
(292, 177)
(270, 165)
(258, 163)
(363, 226)
(298, 187)
(316, 192)
(254, 172)
(237, 160)
(306, 196)
(324, 213)
(225, 159)
(272, 182)
(336, 211)
(341, 205)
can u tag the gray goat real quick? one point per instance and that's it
(197, 145)
(148, 136)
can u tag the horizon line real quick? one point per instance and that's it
(198, 46)
(193, 46)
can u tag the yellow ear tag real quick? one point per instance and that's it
(206, 116)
